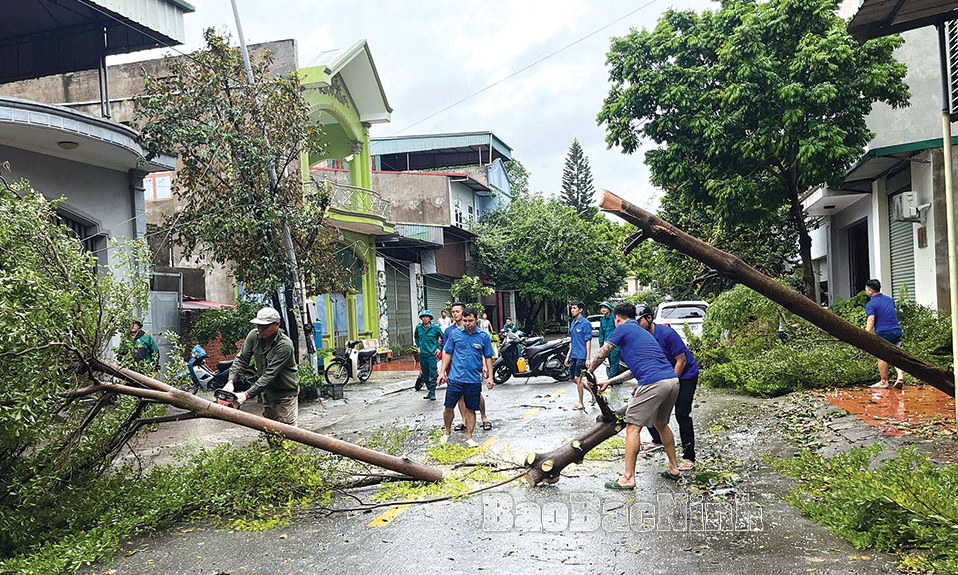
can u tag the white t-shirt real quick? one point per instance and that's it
(445, 322)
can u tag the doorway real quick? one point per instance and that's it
(858, 259)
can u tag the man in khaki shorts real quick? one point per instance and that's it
(653, 397)
(277, 376)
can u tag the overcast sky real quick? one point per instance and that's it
(431, 54)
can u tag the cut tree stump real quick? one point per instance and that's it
(651, 226)
(546, 467)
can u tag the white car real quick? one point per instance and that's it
(594, 320)
(678, 314)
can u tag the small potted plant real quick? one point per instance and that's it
(309, 383)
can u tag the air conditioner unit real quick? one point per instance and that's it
(905, 207)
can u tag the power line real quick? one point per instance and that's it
(528, 66)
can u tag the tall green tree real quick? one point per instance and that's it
(518, 178)
(750, 105)
(227, 136)
(577, 188)
(542, 249)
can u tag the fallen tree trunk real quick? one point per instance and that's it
(546, 467)
(733, 268)
(158, 391)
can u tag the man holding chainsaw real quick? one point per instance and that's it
(277, 377)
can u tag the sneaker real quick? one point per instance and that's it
(471, 442)
(444, 438)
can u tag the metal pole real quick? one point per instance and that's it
(287, 237)
(949, 201)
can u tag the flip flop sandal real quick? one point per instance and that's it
(686, 465)
(459, 427)
(651, 447)
(578, 407)
(616, 486)
(671, 477)
(487, 426)
(899, 384)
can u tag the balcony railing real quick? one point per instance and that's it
(353, 199)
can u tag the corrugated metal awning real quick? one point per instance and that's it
(45, 37)
(876, 18)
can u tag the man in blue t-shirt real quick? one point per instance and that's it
(580, 332)
(654, 395)
(882, 317)
(455, 311)
(687, 369)
(467, 354)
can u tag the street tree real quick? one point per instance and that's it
(518, 177)
(227, 136)
(541, 249)
(470, 291)
(750, 104)
(577, 188)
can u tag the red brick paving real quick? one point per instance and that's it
(404, 364)
(893, 410)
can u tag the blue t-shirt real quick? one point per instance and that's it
(641, 353)
(581, 332)
(467, 351)
(450, 329)
(672, 345)
(883, 308)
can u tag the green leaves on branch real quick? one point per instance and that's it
(227, 136)
(545, 251)
(749, 105)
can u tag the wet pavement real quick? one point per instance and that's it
(895, 411)
(575, 526)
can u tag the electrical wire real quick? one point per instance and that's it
(528, 66)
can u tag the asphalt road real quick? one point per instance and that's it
(575, 526)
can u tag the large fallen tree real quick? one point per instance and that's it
(546, 467)
(732, 267)
(154, 390)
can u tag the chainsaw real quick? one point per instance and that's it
(227, 398)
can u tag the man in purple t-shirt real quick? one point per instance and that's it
(882, 318)
(653, 398)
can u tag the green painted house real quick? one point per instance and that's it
(346, 96)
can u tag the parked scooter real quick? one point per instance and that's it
(545, 358)
(350, 362)
(202, 377)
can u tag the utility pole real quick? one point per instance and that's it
(287, 237)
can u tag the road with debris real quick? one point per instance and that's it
(733, 521)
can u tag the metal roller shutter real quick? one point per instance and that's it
(902, 248)
(437, 294)
(398, 307)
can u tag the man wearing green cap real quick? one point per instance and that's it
(427, 339)
(606, 325)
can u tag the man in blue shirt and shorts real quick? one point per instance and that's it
(882, 317)
(654, 395)
(466, 354)
(684, 364)
(581, 347)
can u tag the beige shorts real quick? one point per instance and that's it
(652, 402)
(282, 409)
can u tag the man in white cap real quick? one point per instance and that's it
(277, 377)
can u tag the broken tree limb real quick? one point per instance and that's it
(737, 270)
(546, 467)
(162, 393)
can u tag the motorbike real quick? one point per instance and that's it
(545, 358)
(350, 362)
(202, 377)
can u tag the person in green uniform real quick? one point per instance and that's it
(606, 325)
(427, 338)
(143, 350)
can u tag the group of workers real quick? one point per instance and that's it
(653, 354)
